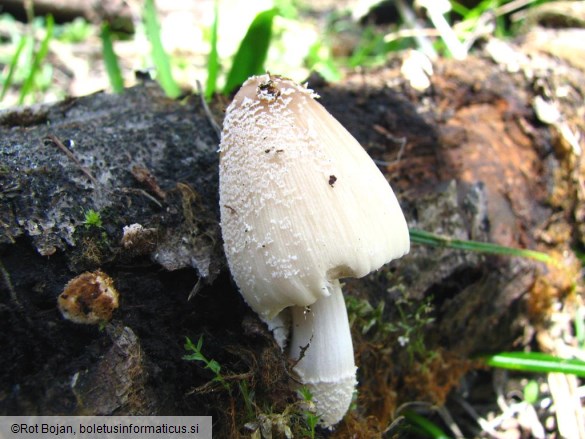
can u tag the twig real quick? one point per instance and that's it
(448, 419)
(8, 283)
(196, 288)
(409, 18)
(568, 410)
(143, 193)
(13, 296)
(55, 141)
(513, 6)
(302, 352)
(483, 423)
(435, 10)
(397, 140)
(411, 33)
(210, 117)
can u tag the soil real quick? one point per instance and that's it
(468, 158)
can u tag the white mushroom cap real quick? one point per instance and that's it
(302, 203)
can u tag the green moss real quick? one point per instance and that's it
(92, 219)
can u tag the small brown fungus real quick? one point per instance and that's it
(89, 298)
(138, 240)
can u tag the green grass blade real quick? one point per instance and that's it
(37, 60)
(460, 9)
(12, 68)
(536, 362)
(427, 427)
(427, 238)
(111, 60)
(250, 57)
(213, 58)
(160, 57)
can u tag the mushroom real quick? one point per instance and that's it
(303, 205)
(89, 298)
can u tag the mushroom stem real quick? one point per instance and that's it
(321, 342)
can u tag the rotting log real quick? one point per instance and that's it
(468, 158)
(116, 12)
(136, 158)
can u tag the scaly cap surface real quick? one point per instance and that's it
(301, 202)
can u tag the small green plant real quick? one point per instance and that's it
(531, 392)
(372, 50)
(366, 317)
(92, 219)
(471, 18)
(248, 396)
(212, 365)
(308, 411)
(77, 31)
(412, 328)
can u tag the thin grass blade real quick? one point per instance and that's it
(160, 57)
(13, 64)
(38, 59)
(536, 362)
(213, 58)
(111, 60)
(425, 426)
(431, 239)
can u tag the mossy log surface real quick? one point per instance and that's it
(468, 158)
